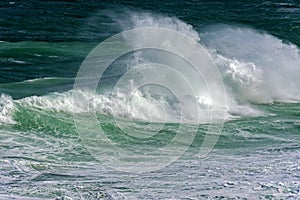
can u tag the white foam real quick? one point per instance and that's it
(16, 61)
(130, 104)
(257, 67)
(239, 71)
(6, 109)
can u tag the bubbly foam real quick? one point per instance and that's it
(132, 104)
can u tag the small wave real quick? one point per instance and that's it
(16, 61)
(46, 79)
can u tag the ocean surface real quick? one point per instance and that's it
(255, 45)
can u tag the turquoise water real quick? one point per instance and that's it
(255, 46)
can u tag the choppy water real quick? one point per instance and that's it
(255, 46)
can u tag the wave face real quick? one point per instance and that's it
(257, 68)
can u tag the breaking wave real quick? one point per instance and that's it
(256, 67)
